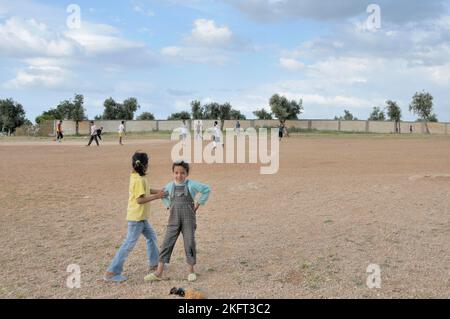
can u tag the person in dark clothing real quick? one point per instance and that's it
(99, 133)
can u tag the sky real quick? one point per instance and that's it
(334, 55)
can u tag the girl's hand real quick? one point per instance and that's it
(196, 207)
(160, 194)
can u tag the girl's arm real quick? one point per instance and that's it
(156, 191)
(147, 199)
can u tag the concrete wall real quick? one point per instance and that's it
(353, 126)
(437, 128)
(170, 125)
(266, 123)
(301, 124)
(48, 127)
(232, 124)
(325, 125)
(141, 126)
(381, 127)
(417, 127)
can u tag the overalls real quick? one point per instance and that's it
(182, 219)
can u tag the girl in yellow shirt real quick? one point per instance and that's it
(140, 194)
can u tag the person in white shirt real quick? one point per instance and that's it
(93, 134)
(184, 132)
(198, 130)
(216, 135)
(121, 132)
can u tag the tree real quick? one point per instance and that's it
(120, 111)
(433, 118)
(284, 109)
(215, 111)
(422, 106)
(348, 116)
(237, 115)
(66, 110)
(129, 107)
(12, 115)
(377, 115)
(263, 115)
(395, 114)
(146, 116)
(197, 110)
(111, 111)
(179, 116)
(77, 112)
(49, 115)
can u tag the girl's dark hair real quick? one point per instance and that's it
(140, 162)
(182, 164)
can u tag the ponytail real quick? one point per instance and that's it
(140, 162)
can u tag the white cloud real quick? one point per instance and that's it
(195, 55)
(41, 72)
(207, 33)
(291, 64)
(139, 9)
(27, 38)
(101, 38)
(207, 43)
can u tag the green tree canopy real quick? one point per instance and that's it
(283, 109)
(66, 110)
(263, 115)
(146, 116)
(237, 115)
(12, 115)
(120, 111)
(215, 111)
(394, 111)
(377, 115)
(179, 116)
(197, 110)
(348, 116)
(422, 106)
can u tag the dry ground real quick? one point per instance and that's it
(337, 205)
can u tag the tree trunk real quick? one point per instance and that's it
(427, 128)
(77, 125)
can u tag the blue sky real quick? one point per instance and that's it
(168, 53)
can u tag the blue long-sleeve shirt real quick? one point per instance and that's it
(194, 188)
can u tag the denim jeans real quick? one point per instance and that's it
(135, 229)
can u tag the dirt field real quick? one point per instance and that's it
(338, 204)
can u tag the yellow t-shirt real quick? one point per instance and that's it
(138, 186)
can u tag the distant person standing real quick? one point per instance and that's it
(184, 132)
(121, 132)
(198, 130)
(59, 132)
(411, 129)
(281, 130)
(93, 134)
(237, 128)
(216, 135)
